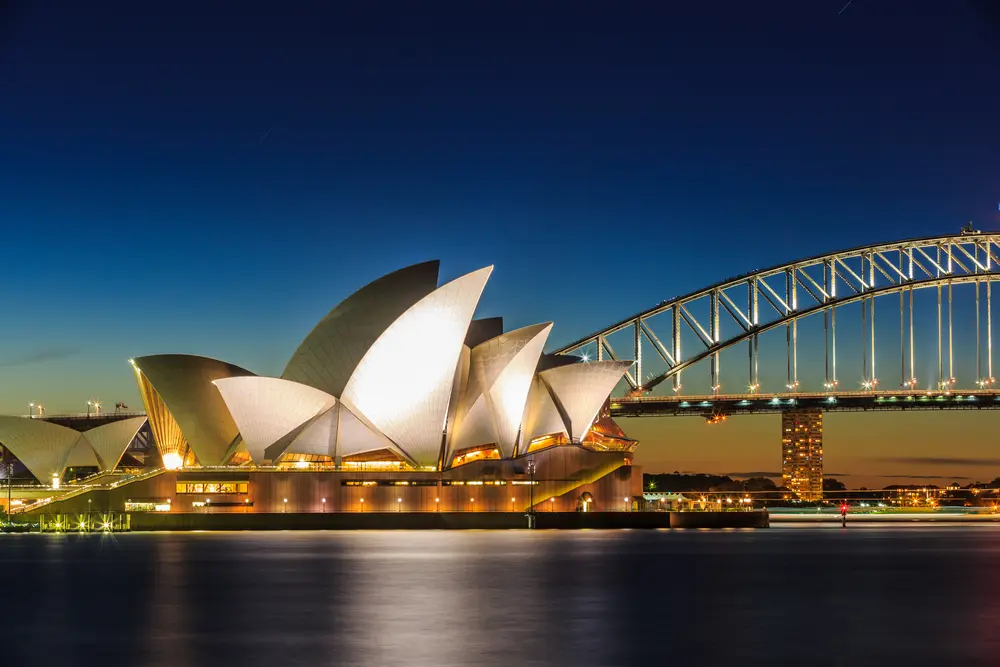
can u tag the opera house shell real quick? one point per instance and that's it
(398, 399)
(47, 449)
(399, 373)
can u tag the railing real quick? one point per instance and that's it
(763, 396)
(85, 415)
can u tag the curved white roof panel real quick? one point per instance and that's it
(111, 440)
(475, 428)
(319, 436)
(508, 392)
(403, 385)
(184, 384)
(41, 446)
(355, 437)
(331, 352)
(82, 455)
(267, 409)
(501, 372)
(581, 389)
(541, 416)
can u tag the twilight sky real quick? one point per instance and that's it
(211, 178)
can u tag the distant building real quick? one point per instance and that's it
(802, 453)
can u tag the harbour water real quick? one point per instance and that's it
(789, 595)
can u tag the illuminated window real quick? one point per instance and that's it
(211, 487)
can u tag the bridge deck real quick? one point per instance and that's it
(707, 406)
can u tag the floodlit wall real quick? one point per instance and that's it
(563, 474)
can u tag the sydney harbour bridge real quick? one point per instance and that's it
(892, 326)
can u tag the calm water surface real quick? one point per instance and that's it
(784, 596)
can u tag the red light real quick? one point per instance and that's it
(843, 509)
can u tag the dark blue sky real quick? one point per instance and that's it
(603, 156)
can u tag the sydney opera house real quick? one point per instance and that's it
(397, 400)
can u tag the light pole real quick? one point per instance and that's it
(531, 487)
(626, 504)
(10, 480)
(324, 505)
(284, 505)
(362, 504)
(399, 504)
(437, 504)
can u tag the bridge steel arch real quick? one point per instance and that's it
(819, 285)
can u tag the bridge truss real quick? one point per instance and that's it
(782, 296)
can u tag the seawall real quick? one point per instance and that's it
(155, 521)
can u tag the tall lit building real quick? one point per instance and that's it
(802, 453)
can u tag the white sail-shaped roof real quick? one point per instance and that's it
(474, 429)
(42, 447)
(331, 352)
(267, 409)
(184, 384)
(111, 440)
(541, 416)
(580, 390)
(403, 385)
(499, 381)
(356, 437)
(319, 436)
(82, 455)
(518, 351)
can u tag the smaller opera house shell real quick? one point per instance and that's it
(397, 377)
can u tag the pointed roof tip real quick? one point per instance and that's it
(482, 274)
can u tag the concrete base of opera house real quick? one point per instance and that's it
(187, 521)
(566, 479)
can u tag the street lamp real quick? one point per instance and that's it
(473, 501)
(531, 486)
(626, 504)
(552, 504)
(10, 480)
(512, 503)
(399, 504)
(362, 504)
(324, 504)
(284, 505)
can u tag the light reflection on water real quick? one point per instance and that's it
(784, 596)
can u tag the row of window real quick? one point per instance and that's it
(390, 482)
(241, 487)
(211, 487)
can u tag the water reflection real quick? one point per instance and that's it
(787, 596)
